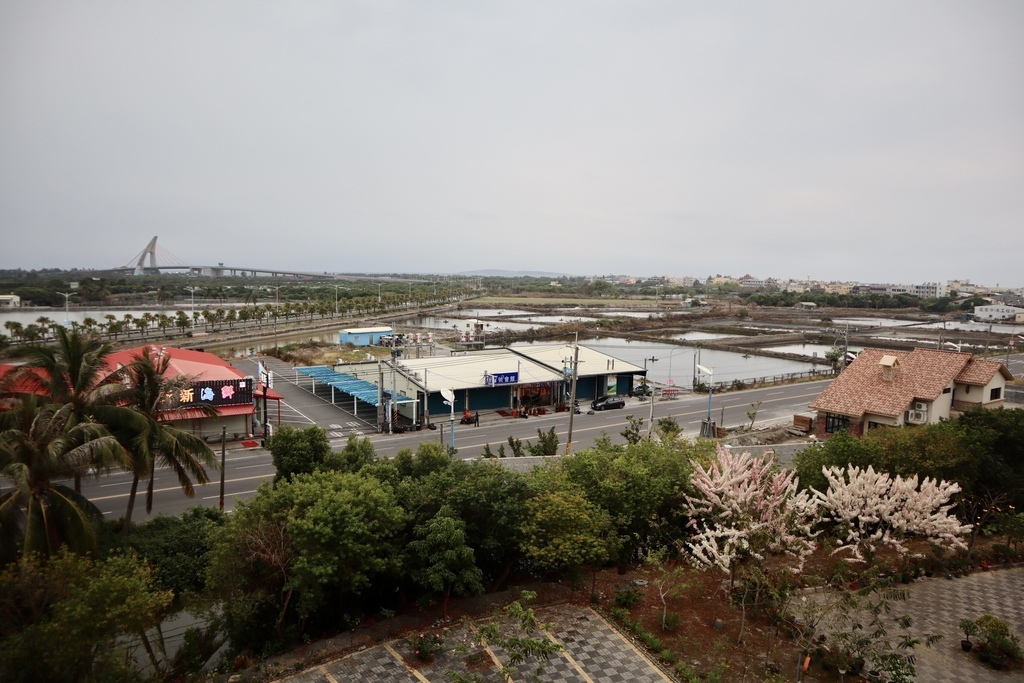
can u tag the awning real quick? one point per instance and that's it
(366, 392)
(222, 411)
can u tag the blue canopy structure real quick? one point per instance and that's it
(358, 388)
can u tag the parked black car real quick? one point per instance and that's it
(608, 403)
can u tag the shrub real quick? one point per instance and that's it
(426, 645)
(628, 595)
(671, 622)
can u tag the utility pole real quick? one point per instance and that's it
(223, 447)
(426, 397)
(650, 422)
(380, 397)
(572, 397)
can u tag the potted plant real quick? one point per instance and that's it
(1000, 645)
(970, 628)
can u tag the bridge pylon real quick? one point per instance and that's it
(140, 265)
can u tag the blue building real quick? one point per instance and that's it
(363, 336)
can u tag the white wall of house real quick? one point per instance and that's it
(941, 406)
(983, 396)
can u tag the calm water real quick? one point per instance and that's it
(488, 312)
(701, 336)
(812, 350)
(438, 323)
(675, 364)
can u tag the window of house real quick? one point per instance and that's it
(995, 394)
(876, 425)
(835, 423)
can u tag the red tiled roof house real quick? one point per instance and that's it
(884, 388)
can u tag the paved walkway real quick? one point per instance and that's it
(938, 605)
(594, 653)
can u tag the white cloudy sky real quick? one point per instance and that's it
(867, 140)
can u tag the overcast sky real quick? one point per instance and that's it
(870, 141)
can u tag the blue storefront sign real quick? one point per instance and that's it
(498, 378)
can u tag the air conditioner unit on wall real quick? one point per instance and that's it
(918, 416)
(921, 406)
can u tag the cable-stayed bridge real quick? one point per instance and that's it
(160, 260)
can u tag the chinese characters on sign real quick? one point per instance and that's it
(223, 392)
(499, 378)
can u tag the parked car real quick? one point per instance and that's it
(641, 391)
(608, 403)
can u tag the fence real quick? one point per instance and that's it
(767, 381)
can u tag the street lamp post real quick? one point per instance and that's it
(379, 285)
(192, 291)
(449, 398)
(708, 428)
(66, 314)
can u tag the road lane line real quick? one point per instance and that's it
(178, 488)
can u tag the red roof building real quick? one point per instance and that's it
(884, 388)
(209, 380)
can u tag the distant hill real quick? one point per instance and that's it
(512, 273)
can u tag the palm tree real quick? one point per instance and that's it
(181, 321)
(74, 372)
(148, 392)
(15, 328)
(41, 443)
(44, 324)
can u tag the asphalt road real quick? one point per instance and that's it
(247, 468)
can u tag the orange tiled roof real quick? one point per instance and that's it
(920, 374)
(197, 365)
(980, 372)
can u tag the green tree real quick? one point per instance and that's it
(446, 563)
(60, 619)
(632, 433)
(298, 451)
(39, 445)
(563, 530)
(357, 454)
(640, 486)
(547, 443)
(308, 544)
(839, 451)
(176, 547)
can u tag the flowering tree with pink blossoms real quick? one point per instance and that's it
(870, 510)
(744, 509)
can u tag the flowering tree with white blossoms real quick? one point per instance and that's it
(744, 509)
(871, 510)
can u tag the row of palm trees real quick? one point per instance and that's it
(63, 416)
(45, 329)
